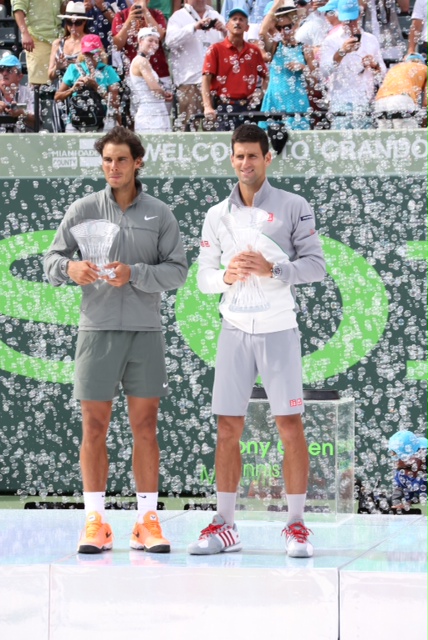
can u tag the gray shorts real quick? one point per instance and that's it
(241, 356)
(104, 359)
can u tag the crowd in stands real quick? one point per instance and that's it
(157, 65)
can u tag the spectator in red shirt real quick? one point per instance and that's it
(125, 27)
(231, 72)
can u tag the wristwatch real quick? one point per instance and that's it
(276, 271)
(63, 268)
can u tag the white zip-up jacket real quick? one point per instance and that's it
(289, 238)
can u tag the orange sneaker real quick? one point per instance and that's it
(148, 535)
(96, 537)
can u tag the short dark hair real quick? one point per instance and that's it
(251, 133)
(120, 135)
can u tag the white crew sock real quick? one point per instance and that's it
(146, 502)
(226, 503)
(95, 501)
(296, 506)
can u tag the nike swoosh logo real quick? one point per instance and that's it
(108, 535)
(150, 217)
(165, 384)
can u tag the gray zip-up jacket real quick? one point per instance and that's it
(149, 241)
(289, 239)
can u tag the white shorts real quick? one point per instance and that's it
(241, 357)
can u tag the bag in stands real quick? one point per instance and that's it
(86, 108)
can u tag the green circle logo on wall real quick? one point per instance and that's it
(365, 312)
(36, 301)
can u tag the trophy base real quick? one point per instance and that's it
(249, 297)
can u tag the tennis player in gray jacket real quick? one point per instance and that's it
(120, 338)
(265, 342)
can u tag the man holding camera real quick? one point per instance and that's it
(125, 27)
(16, 100)
(352, 62)
(190, 32)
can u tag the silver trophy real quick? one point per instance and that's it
(95, 238)
(245, 226)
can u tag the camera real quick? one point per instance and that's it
(357, 36)
(209, 25)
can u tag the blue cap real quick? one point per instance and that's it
(237, 10)
(267, 8)
(330, 6)
(423, 443)
(348, 10)
(404, 444)
(416, 57)
(8, 60)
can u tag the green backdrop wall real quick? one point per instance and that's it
(363, 328)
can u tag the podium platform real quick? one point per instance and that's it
(366, 580)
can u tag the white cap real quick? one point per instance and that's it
(147, 31)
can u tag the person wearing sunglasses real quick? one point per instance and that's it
(65, 50)
(92, 73)
(286, 92)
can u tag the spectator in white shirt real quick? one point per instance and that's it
(311, 33)
(351, 62)
(418, 34)
(314, 27)
(190, 32)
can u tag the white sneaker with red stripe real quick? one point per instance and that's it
(297, 544)
(218, 537)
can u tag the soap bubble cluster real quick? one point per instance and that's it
(381, 217)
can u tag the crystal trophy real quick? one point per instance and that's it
(95, 239)
(245, 226)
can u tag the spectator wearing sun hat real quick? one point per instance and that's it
(39, 25)
(287, 90)
(92, 71)
(16, 100)
(230, 75)
(66, 49)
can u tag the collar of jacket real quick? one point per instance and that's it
(140, 191)
(259, 196)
